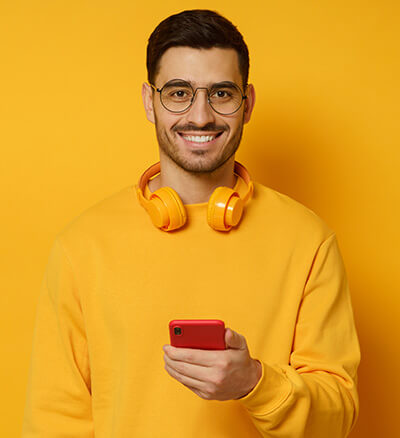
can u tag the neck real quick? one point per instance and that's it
(193, 188)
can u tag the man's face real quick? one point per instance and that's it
(176, 132)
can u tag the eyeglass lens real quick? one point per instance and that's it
(225, 98)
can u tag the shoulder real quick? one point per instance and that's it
(100, 219)
(287, 214)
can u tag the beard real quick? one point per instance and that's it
(202, 161)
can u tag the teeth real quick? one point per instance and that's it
(199, 138)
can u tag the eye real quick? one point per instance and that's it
(221, 94)
(179, 93)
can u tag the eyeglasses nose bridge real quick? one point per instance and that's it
(195, 92)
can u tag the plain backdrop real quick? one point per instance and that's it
(325, 131)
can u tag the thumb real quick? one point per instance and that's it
(234, 340)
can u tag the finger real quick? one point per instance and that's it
(185, 380)
(197, 372)
(199, 393)
(234, 340)
(192, 355)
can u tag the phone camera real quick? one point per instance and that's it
(177, 331)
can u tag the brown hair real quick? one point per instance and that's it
(199, 29)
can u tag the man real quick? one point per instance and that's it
(208, 244)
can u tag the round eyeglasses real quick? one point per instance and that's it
(177, 96)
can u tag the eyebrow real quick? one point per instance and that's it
(227, 84)
(182, 82)
(177, 82)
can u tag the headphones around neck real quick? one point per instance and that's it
(167, 211)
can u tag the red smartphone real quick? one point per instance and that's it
(205, 334)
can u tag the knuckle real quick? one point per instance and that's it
(224, 364)
(210, 389)
(218, 379)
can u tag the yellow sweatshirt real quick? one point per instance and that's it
(114, 281)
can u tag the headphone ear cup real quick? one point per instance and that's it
(225, 209)
(166, 209)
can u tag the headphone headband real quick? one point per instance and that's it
(167, 211)
(154, 169)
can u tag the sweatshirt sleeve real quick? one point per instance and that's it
(58, 400)
(315, 395)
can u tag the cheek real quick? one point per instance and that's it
(235, 126)
(164, 122)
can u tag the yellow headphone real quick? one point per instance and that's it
(166, 209)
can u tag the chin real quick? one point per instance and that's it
(200, 162)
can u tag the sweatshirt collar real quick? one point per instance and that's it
(240, 187)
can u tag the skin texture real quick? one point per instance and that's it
(194, 172)
(215, 375)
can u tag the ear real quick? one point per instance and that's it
(249, 102)
(147, 96)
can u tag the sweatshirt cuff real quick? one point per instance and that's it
(270, 392)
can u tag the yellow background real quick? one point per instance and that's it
(325, 131)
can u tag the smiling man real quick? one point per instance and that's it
(199, 120)
(194, 238)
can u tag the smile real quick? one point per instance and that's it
(200, 139)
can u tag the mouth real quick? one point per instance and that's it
(200, 140)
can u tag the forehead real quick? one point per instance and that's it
(202, 67)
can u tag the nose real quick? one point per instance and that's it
(200, 112)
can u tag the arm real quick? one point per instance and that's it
(315, 395)
(58, 399)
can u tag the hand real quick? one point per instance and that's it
(215, 374)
